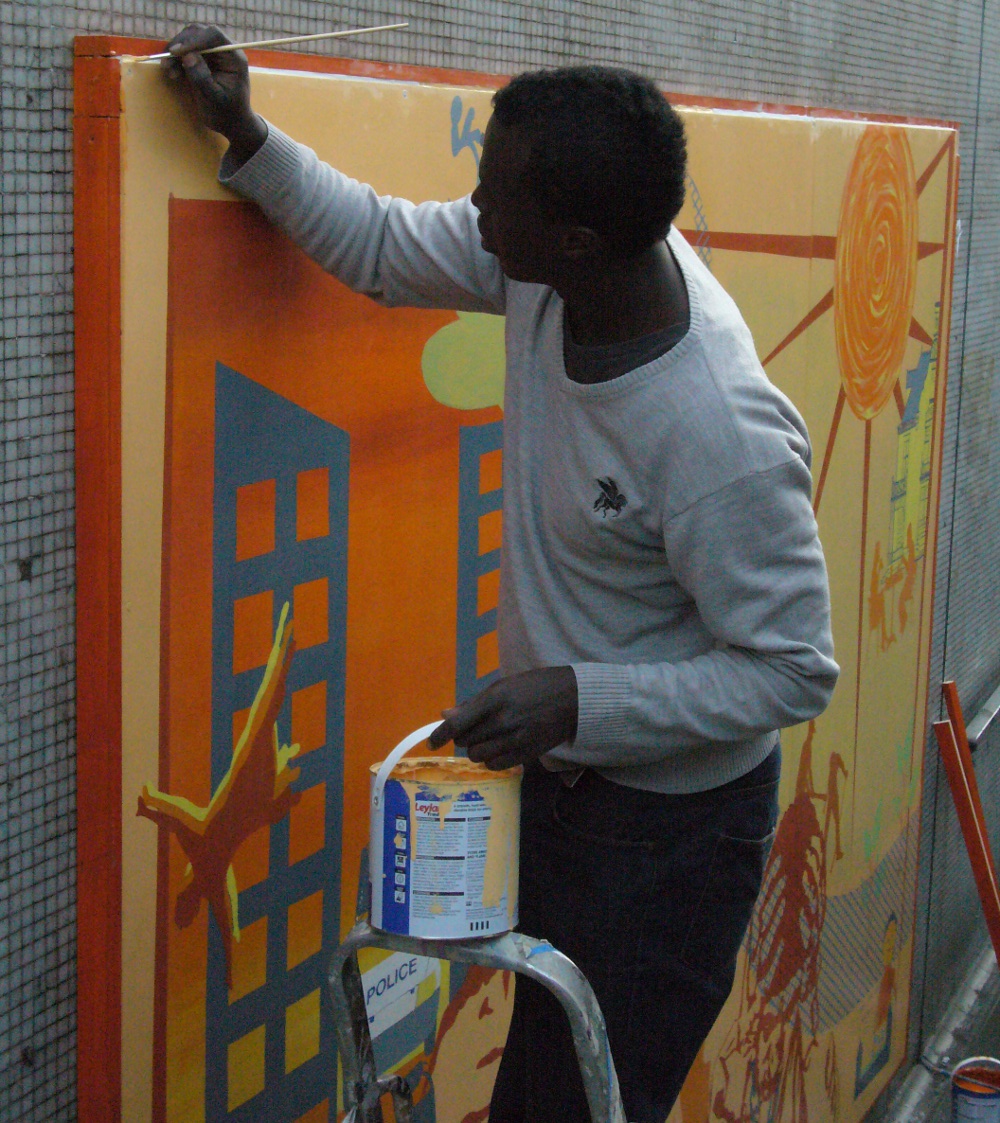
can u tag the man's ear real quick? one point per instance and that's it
(576, 243)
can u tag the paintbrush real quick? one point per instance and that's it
(279, 42)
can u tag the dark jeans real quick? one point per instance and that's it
(650, 895)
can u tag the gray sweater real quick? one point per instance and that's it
(658, 528)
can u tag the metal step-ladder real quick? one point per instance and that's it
(363, 1090)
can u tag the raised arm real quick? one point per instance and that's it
(389, 249)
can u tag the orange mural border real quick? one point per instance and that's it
(97, 296)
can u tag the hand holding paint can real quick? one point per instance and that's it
(443, 851)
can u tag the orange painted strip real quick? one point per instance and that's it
(94, 95)
(781, 245)
(824, 305)
(838, 410)
(926, 174)
(819, 246)
(920, 333)
(969, 811)
(861, 604)
(98, 543)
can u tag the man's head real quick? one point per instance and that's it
(586, 148)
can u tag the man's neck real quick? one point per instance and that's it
(625, 299)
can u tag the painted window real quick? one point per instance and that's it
(480, 498)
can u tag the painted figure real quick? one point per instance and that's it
(771, 1045)
(256, 791)
(909, 579)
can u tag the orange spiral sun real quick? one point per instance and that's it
(875, 269)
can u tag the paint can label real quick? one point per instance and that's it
(437, 881)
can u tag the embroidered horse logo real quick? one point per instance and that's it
(610, 499)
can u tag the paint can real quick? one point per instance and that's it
(975, 1091)
(443, 850)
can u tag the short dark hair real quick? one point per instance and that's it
(606, 150)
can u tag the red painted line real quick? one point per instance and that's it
(491, 1056)
(97, 289)
(781, 245)
(929, 170)
(861, 612)
(810, 318)
(830, 441)
(917, 331)
(925, 249)
(897, 393)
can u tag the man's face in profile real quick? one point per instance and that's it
(511, 224)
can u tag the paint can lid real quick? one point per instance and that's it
(979, 1075)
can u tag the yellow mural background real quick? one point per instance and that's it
(785, 244)
(771, 201)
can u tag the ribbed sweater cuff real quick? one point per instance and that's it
(268, 169)
(603, 691)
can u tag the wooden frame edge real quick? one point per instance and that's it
(944, 354)
(97, 222)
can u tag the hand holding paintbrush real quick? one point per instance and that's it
(218, 75)
(219, 84)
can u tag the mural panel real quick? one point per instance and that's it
(310, 504)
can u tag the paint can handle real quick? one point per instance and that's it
(378, 788)
(394, 758)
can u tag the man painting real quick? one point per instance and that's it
(664, 608)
